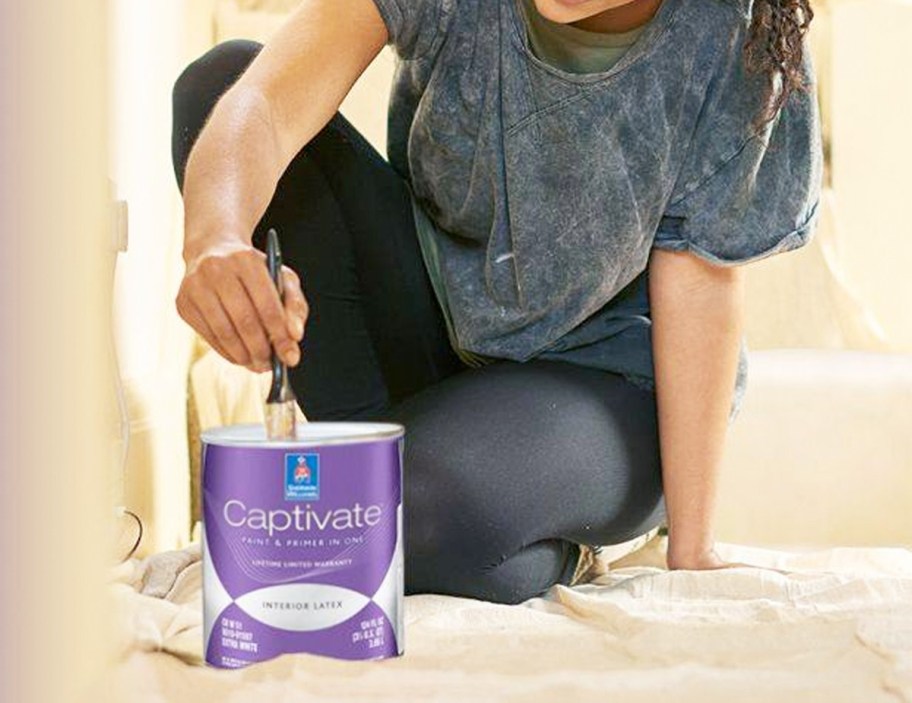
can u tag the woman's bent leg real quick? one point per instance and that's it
(510, 467)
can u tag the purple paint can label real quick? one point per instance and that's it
(302, 543)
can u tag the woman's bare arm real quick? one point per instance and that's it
(697, 316)
(288, 93)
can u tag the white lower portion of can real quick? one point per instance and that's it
(307, 607)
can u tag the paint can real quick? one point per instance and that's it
(302, 542)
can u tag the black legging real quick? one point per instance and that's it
(508, 467)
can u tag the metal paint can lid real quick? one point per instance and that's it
(308, 434)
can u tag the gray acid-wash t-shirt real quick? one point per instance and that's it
(547, 189)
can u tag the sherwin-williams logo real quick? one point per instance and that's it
(302, 476)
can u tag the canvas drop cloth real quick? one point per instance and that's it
(833, 625)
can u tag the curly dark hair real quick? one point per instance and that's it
(775, 48)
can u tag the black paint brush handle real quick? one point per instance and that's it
(274, 262)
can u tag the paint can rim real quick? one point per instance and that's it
(310, 433)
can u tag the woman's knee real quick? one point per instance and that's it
(199, 87)
(514, 454)
(222, 64)
(527, 573)
(522, 572)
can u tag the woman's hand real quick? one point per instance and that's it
(228, 297)
(698, 561)
(704, 560)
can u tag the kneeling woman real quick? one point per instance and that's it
(544, 281)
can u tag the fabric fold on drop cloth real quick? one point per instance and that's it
(832, 624)
(158, 604)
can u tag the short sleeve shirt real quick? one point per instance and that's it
(545, 190)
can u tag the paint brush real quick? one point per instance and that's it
(280, 404)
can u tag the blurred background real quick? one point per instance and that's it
(821, 453)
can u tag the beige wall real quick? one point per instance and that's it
(152, 41)
(872, 155)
